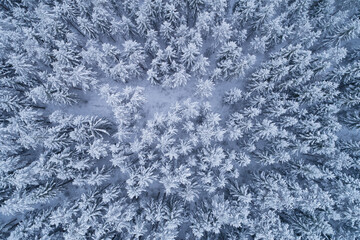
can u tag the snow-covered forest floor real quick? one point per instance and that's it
(179, 119)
